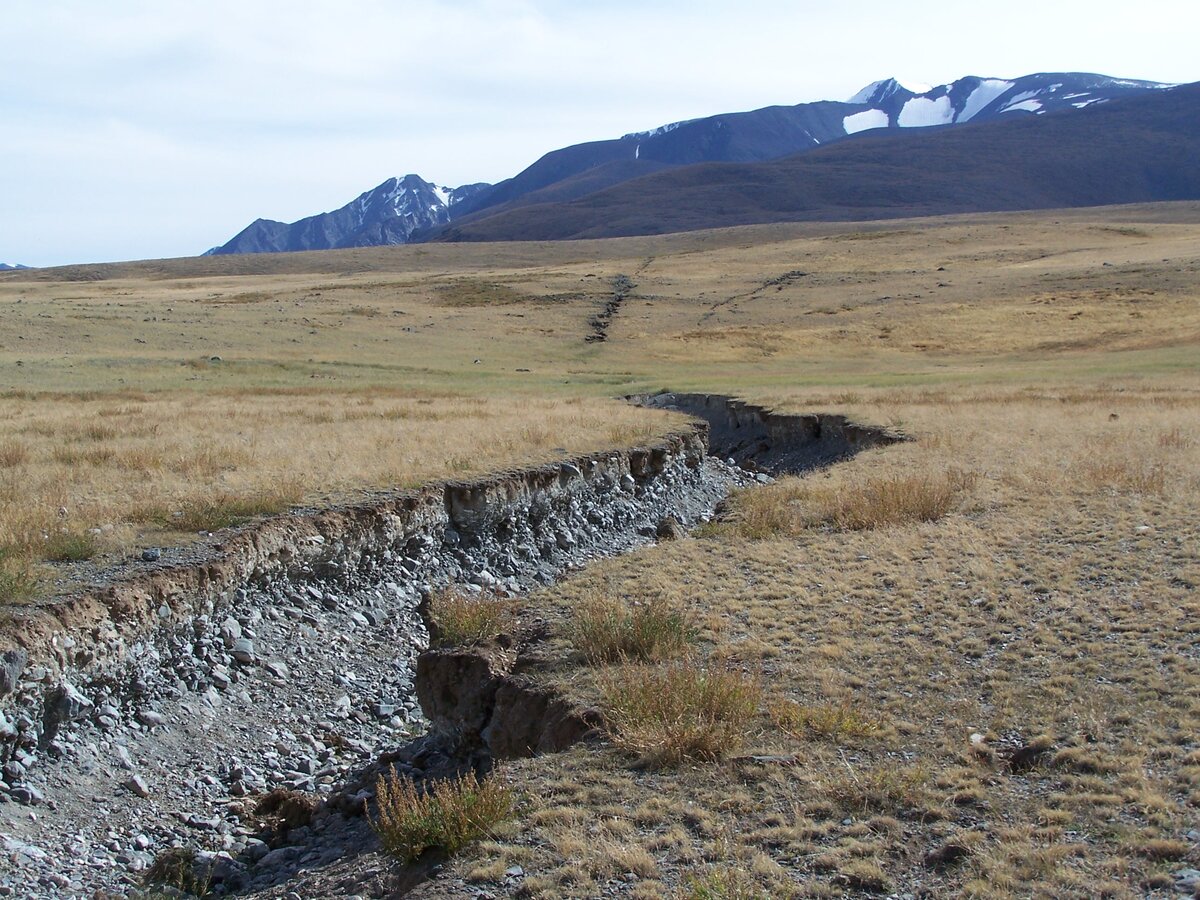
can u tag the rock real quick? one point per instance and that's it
(138, 785)
(627, 483)
(150, 718)
(28, 795)
(277, 668)
(12, 664)
(151, 555)
(231, 630)
(243, 651)
(1187, 880)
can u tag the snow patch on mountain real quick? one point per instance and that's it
(863, 121)
(989, 90)
(923, 112)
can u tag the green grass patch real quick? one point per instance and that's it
(67, 546)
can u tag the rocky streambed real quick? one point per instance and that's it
(158, 712)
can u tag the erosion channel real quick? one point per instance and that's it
(291, 662)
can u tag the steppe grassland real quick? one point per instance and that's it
(1053, 606)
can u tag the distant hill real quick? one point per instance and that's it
(387, 214)
(1141, 148)
(9, 267)
(410, 209)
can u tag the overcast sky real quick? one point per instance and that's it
(135, 130)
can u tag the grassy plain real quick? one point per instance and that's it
(1048, 366)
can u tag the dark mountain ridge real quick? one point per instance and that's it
(411, 209)
(1139, 149)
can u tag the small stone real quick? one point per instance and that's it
(277, 668)
(151, 555)
(138, 785)
(1187, 880)
(243, 651)
(627, 483)
(150, 718)
(28, 795)
(514, 872)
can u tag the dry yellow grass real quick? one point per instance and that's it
(1035, 583)
(104, 472)
(1053, 612)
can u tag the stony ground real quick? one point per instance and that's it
(297, 689)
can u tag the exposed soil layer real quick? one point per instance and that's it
(151, 713)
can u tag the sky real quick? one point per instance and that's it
(142, 130)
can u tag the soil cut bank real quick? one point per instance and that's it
(141, 716)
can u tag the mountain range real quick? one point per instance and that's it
(9, 267)
(885, 151)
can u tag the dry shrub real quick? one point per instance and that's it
(679, 711)
(773, 511)
(892, 500)
(831, 721)
(446, 817)
(458, 619)
(1136, 476)
(607, 629)
(725, 882)
(176, 869)
(12, 454)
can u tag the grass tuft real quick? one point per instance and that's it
(792, 505)
(607, 629)
(724, 882)
(884, 789)
(447, 817)
(66, 546)
(18, 580)
(830, 721)
(459, 619)
(220, 510)
(679, 711)
(892, 500)
(176, 868)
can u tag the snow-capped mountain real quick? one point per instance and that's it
(387, 214)
(411, 209)
(8, 267)
(890, 104)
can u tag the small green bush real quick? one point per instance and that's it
(447, 817)
(18, 580)
(69, 547)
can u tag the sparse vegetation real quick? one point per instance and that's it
(460, 618)
(607, 629)
(65, 546)
(176, 868)
(1056, 595)
(446, 817)
(18, 580)
(679, 711)
(839, 722)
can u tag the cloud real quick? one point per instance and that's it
(136, 129)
